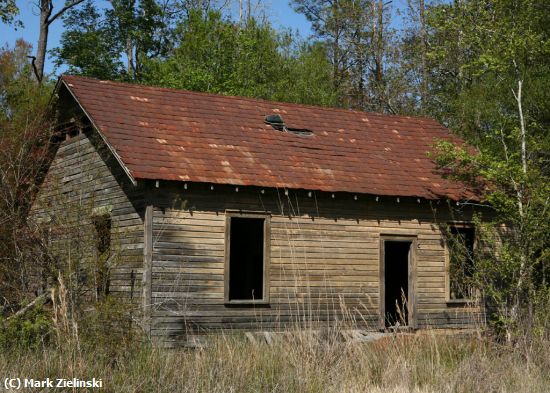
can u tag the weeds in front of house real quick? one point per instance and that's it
(295, 360)
(427, 362)
(104, 342)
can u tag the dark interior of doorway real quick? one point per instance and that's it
(396, 282)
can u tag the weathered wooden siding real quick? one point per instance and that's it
(83, 178)
(324, 258)
(325, 255)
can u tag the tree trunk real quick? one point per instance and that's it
(378, 39)
(380, 44)
(240, 12)
(45, 12)
(424, 49)
(130, 56)
(524, 270)
(46, 19)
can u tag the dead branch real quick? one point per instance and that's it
(38, 301)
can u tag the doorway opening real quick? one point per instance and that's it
(396, 282)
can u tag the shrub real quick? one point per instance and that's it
(30, 331)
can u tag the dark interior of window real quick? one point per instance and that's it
(102, 226)
(461, 259)
(246, 259)
(396, 281)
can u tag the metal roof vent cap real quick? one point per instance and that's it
(276, 121)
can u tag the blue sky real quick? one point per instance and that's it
(280, 14)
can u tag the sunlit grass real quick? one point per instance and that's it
(426, 362)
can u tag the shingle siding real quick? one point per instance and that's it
(83, 178)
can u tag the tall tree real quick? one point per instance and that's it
(96, 40)
(87, 47)
(329, 19)
(414, 43)
(138, 27)
(24, 133)
(491, 70)
(360, 42)
(47, 17)
(217, 55)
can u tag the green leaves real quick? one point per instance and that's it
(8, 13)
(89, 48)
(497, 49)
(363, 52)
(196, 50)
(115, 42)
(21, 99)
(215, 55)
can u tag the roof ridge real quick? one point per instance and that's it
(250, 99)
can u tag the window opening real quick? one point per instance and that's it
(461, 262)
(102, 226)
(246, 258)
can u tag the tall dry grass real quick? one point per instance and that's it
(426, 362)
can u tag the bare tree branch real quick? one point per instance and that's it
(62, 10)
(34, 69)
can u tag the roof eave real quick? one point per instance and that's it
(62, 82)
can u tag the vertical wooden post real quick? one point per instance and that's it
(147, 262)
(412, 284)
(382, 285)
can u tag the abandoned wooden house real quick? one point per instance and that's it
(236, 213)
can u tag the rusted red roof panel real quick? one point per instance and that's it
(168, 134)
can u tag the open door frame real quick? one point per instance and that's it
(411, 298)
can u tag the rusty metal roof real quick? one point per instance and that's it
(168, 134)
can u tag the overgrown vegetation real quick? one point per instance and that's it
(25, 130)
(496, 101)
(30, 331)
(300, 363)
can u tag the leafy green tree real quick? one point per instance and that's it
(47, 15)
(363, 50)
(306, 77)
(139, 41)
(139, 28)
(88, 48)
(19, 96)
(490, 82)
(113, 42)
(330, 21)
(413, 62)
(216, 55)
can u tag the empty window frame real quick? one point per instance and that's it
(460, 245)
(102, 231)
(247, 258)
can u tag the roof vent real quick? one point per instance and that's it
(276, 121)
